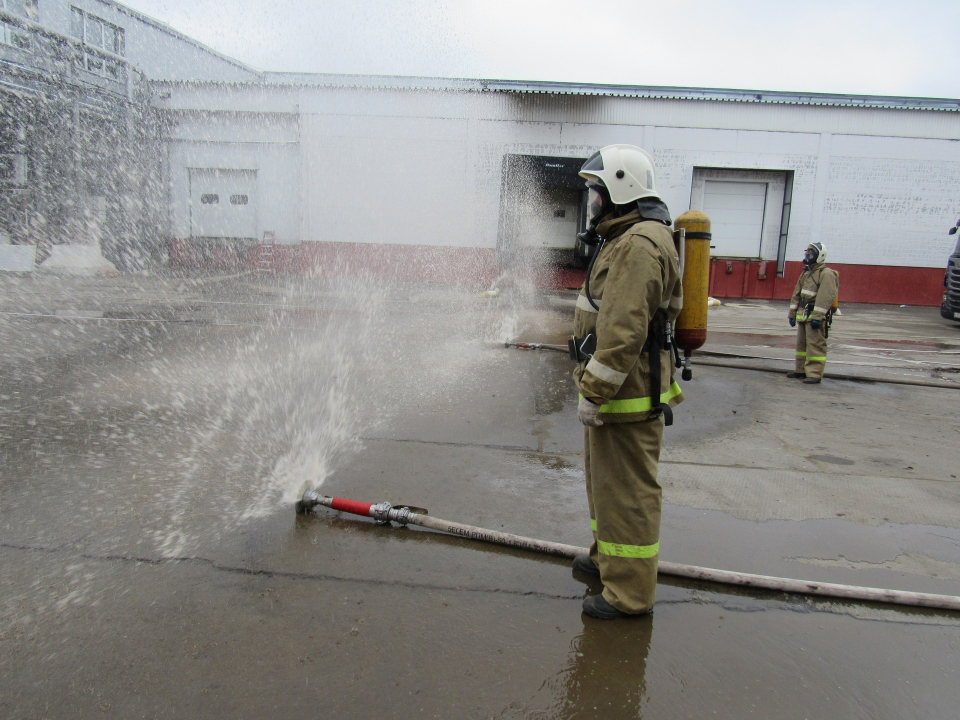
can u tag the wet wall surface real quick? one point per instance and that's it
(153, 566)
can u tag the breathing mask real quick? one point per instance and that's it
(811, 256)
(599, 204)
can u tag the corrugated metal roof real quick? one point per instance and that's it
(722, 95)
(385, 82)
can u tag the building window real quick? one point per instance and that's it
(14, 36)
(23, 8)
(210, 199)
(13, 169)
(101, 65)
(97, 32)
(7, 168)
(239, 199)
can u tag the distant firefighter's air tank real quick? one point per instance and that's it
(691, 330)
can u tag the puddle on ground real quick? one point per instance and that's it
(557, 462)
(831, 459)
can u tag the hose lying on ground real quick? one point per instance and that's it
(830, 375)
(745, 366)
(385, 513)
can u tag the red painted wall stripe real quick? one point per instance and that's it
(754, 279)
(858, 283)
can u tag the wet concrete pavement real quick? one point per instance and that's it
(153, 567)
(886, 342)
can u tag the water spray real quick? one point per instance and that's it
(384, 513)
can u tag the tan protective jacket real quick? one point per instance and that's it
(636, 272)
(818, 285)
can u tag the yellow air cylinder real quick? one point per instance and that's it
(691, 328)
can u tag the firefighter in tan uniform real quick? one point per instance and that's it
(622, 329)
(811, 312)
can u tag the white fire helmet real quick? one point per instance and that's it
(626, 171)
(819, 254)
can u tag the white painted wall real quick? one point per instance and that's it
(401, 181)
(892, 199)
(424, 167)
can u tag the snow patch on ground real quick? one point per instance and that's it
(77, 260)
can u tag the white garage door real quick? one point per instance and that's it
(223, 203)
(736, 211)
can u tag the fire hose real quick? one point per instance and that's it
(385, 513)
(738, 364)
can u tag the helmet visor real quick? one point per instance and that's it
(593, 164)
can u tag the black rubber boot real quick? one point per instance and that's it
(793, 374)
(811, 381)
(584, 564)
(595, 606)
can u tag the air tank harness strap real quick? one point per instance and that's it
(658, 338)
(586, 282)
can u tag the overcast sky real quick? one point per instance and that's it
(876, 48)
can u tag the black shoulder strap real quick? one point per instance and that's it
(655, 339)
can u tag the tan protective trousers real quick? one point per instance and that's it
(811, 350)
(621, 460)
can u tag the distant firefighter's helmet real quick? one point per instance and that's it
(815, 253)
(626, 171)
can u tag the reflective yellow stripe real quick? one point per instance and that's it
(636, 405)
(628, 551)
(817, 359)
(593, 524)
(801, 354)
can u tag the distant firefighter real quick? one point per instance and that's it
(812, 307)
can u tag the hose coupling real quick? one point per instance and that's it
(401, 516)
(310, 499)
(381, 513)
(384, 513)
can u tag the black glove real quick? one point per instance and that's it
(815, 324)
(792, 321)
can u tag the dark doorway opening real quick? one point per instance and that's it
(542, 208)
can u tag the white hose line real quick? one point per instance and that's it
(811, 587)
(828, 375)
(499, 538)
(698, 359)
(725, 577)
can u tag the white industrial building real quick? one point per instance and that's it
(441, 174)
